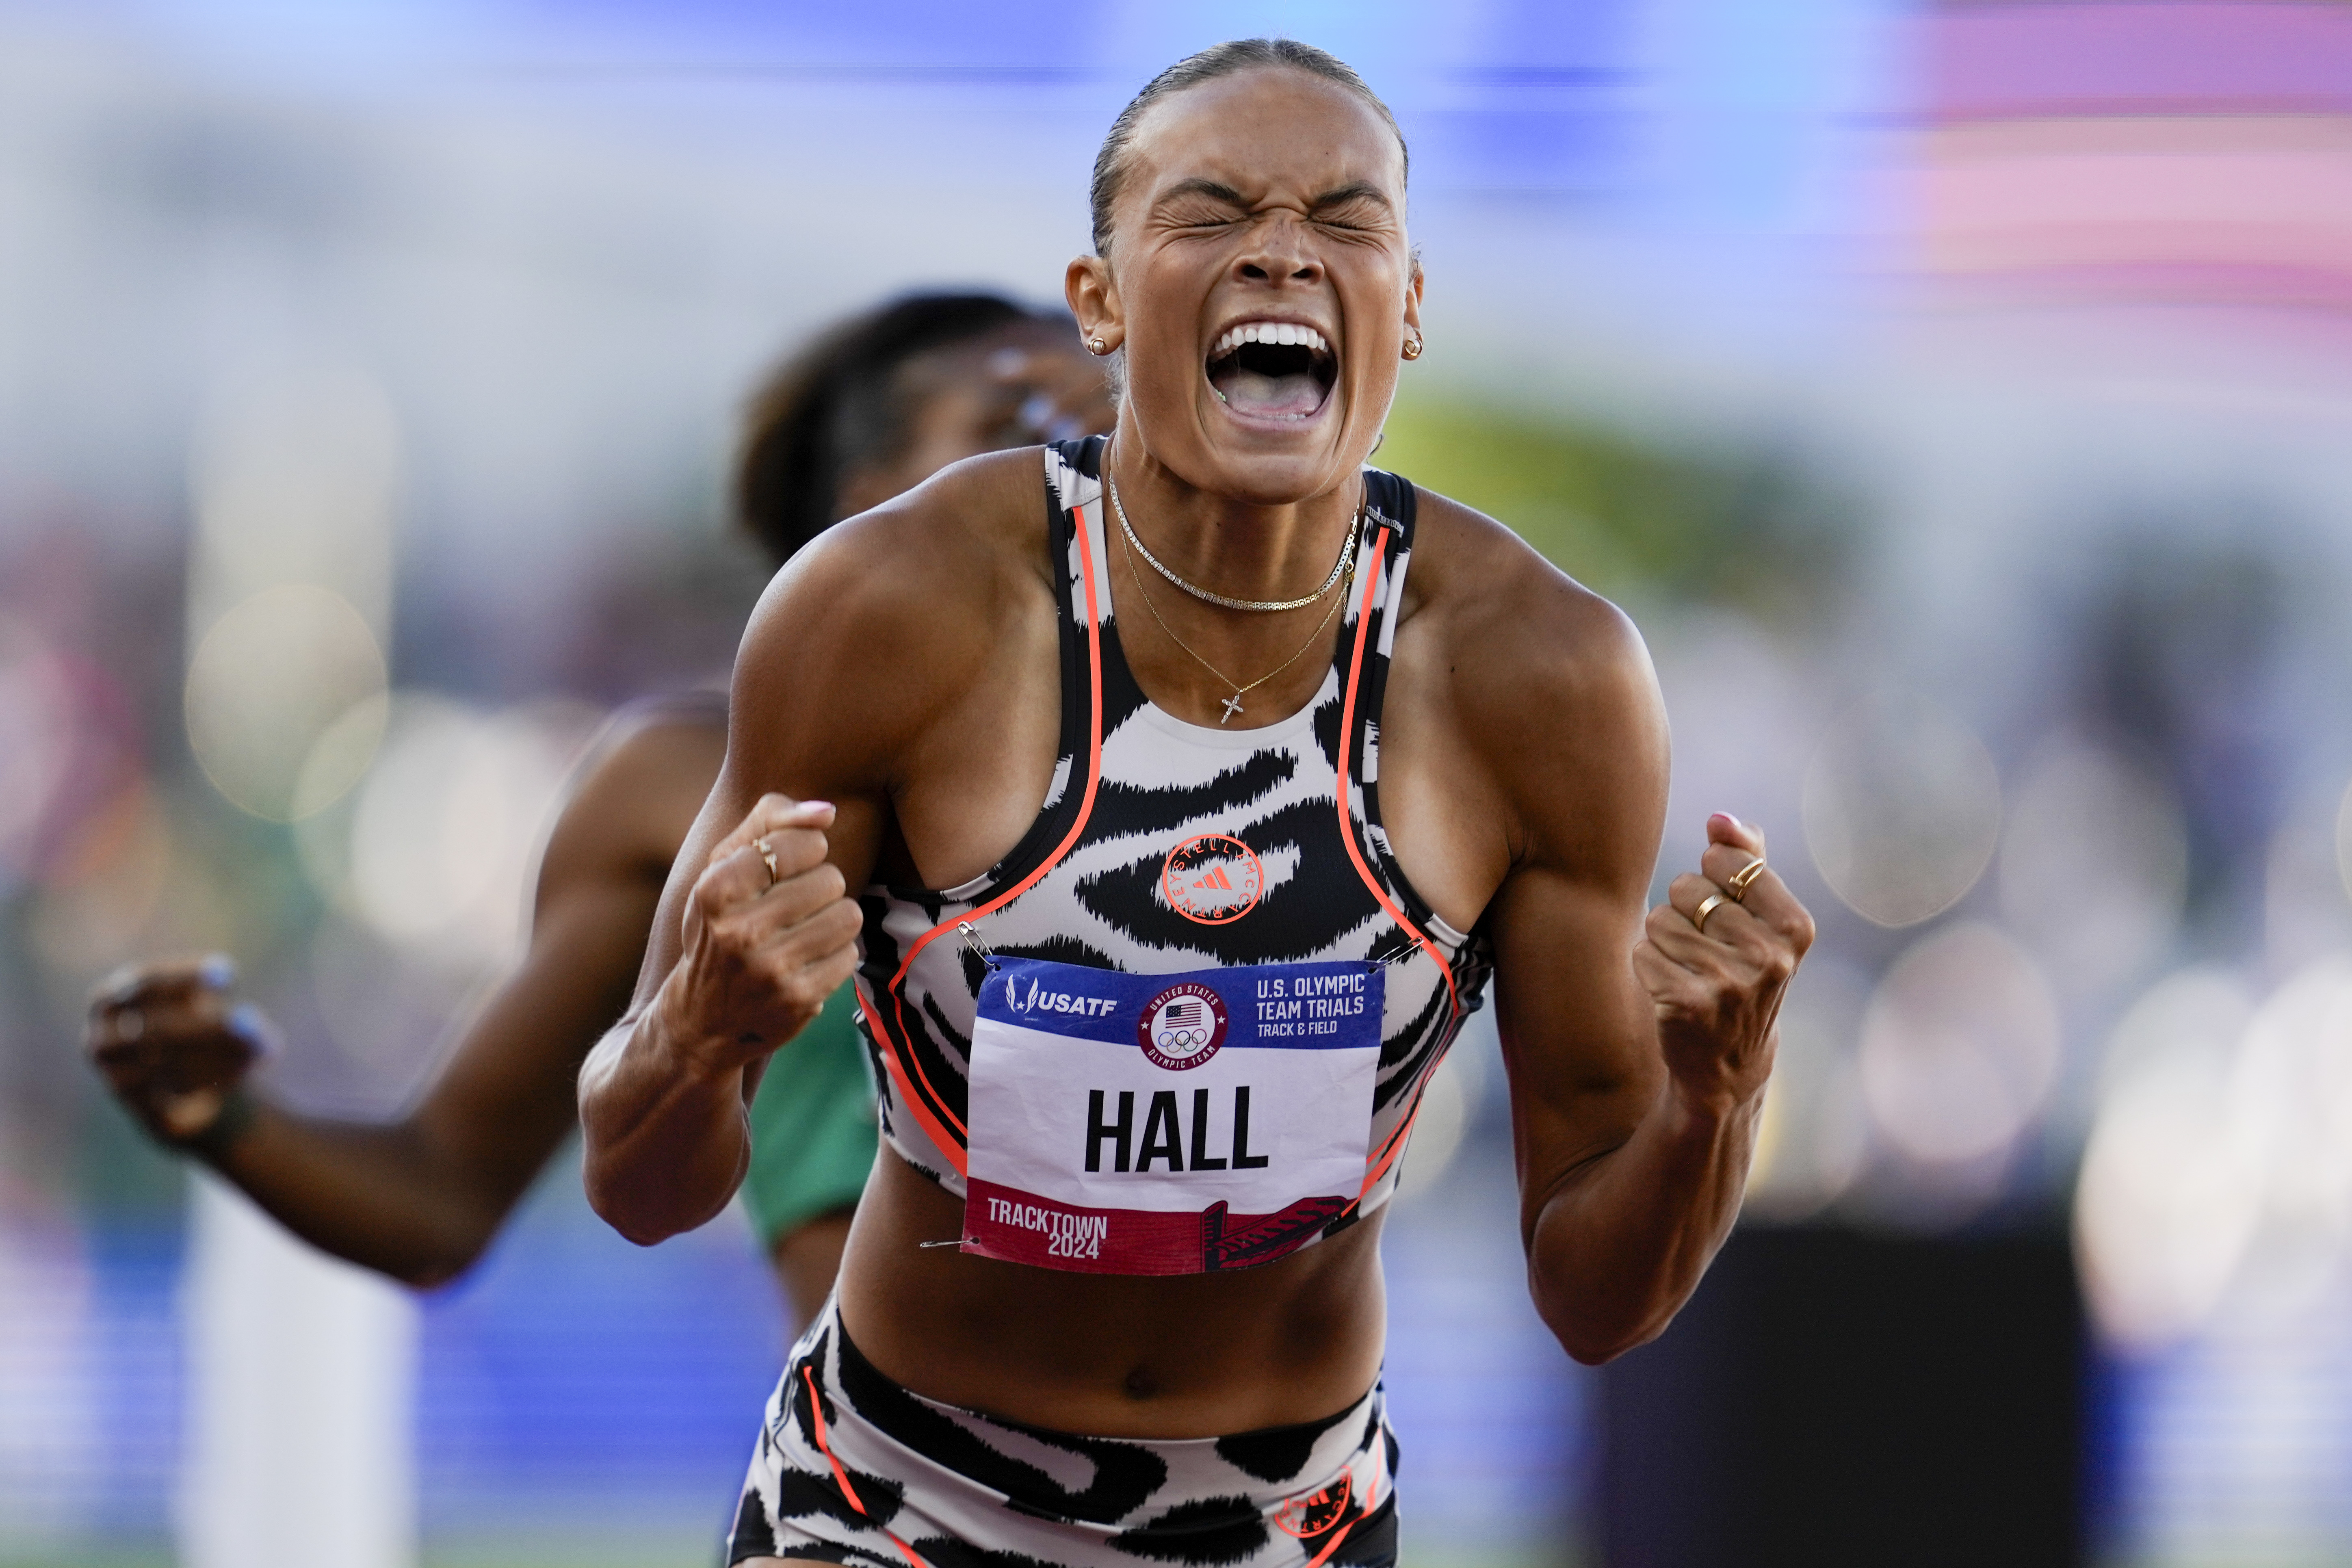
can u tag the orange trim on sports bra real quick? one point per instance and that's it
(951, 1146)
(1347, 735)
(1356, 855)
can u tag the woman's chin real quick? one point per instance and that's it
(1252, 458)
(1272, 474)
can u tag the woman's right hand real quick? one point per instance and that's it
(768, 936)
(172, 1045)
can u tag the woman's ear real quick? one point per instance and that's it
(1093, 296)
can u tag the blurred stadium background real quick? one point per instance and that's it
(1960, 397)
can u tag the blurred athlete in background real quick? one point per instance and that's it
(867, 411)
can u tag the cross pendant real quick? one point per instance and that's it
(1232, 706)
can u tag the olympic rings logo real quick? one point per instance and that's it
(1183, 1027)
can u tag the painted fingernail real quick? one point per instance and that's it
(251, 1024)
(218, 971)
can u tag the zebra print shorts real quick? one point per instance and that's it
(853, 1469)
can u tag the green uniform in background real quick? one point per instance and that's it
(813, 1132)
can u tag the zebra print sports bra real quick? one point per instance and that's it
(1171, 850)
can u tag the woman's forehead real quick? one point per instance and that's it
(1271, 129)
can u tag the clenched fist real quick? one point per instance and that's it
(171, 1044)
(768, 936)
(1717, 959)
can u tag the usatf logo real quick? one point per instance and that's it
(1037, 999)
(1212, 879)
(1181, 1028)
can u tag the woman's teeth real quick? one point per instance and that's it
(1280, 332)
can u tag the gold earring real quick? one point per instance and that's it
(1095, 346)
(1412, 348)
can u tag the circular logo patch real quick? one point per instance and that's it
(1183, 1027)
(1213, 879)
(1312, 1515)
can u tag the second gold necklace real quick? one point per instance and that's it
(1343, 568)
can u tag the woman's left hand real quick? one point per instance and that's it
(1717, 959)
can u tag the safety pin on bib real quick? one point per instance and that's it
(979, 948)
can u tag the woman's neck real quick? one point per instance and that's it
(1227, 545)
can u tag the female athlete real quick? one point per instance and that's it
(1186, 829)
(870, 408)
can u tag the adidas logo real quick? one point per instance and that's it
(1216, 880)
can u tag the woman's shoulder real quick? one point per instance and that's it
(895, 607)
(1493, 597)
(939, 544)
(1544, 680)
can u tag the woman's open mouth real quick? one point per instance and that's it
(1273, 370)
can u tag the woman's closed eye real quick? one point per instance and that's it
(1206, 219)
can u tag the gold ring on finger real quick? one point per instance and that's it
(767, 858)
(1707, 906)
(1745, 878)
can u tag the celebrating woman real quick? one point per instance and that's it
(1186, 829)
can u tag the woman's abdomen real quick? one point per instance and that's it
(1197, 1356)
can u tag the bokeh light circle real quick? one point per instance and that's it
(444, 831)
(2094, 862)
(270, 679)
(2167, 1198)
(2290, 1109)
(1959, 1047)
(1902, 810)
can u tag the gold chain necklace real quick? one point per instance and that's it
(1258, 605)
(1234, 703)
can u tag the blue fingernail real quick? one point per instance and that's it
(218, 971)
(251, 1024)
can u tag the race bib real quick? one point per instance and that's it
(1166, 1123)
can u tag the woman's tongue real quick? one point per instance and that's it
(1292, 396)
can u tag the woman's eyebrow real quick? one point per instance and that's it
(1360, 191)
(1218, 191)
(1199, 186)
